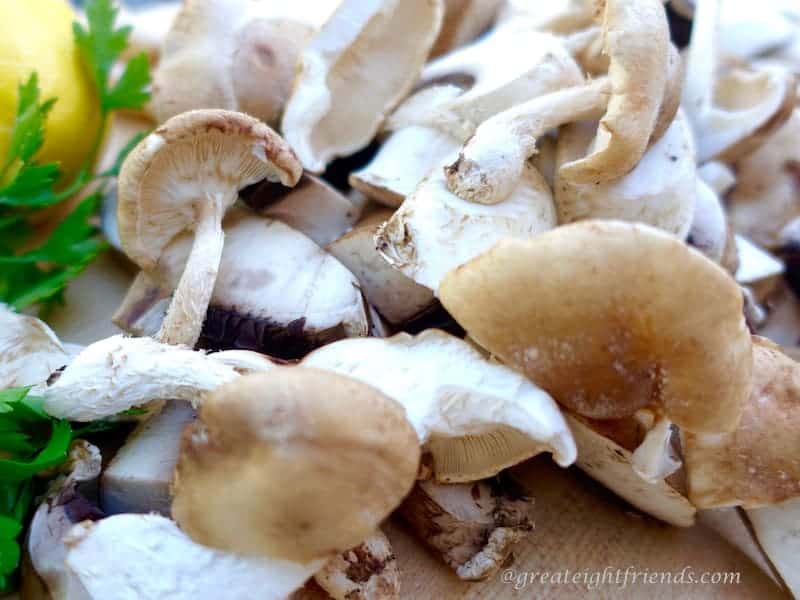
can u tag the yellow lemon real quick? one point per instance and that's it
(36, 35)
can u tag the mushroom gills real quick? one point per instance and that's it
(473, 527)
(139, 476)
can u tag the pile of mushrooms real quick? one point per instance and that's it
(389, 249)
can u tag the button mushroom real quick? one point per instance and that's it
(473, 417)
(183, 177)
(607, 343)
(313, 462)
(354, 72)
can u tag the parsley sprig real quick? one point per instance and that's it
(37, 274)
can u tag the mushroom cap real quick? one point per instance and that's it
(473, 416)
(611, 317)
(709, 231)
(186, 161)
(311, 462)
(636, 35)
(29, 350)
(659, 191)
(354, 72)
(759, 463)
(435, 231)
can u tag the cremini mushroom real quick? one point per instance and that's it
(636, 38)
(182, 178)
(138, 478)
(276, 292)
(757, 464)
(734, 110)
(29, 350)
(473, 417)
(312, 463)
(368, 571)
(463, 21)
(235, 55)
(473, 527)
(355, 71)
(435, 231)
(605, 316)
(119, 373)
(458, 92)
(396, 297)
(659, 191)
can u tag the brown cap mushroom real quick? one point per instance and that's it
(312, 463)
(183, 177)
(611, 317)
(758, 464)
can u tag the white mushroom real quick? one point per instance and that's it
(183, 178)
(395, 296)
(709, 232)
(354, 72)
(474, 417)
(757, 268)
(777, 528)
(29, 350)
(435, 231)
(659, 191)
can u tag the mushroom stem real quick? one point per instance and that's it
(491, 164)
(186, 314)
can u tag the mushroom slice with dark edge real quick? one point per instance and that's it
(394, 295)
(354, 72)
(276, 292)
(29, 350)
(473, 527)
(639, 321)
(368, 571)
(119, 373)
(312, 461)
(138, 478)
(473, 417)
(182, 179)
(70, 500)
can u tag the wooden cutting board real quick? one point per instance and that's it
(579, 525)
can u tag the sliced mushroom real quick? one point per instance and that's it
(354, 72)
(758, 464)
(119, 373)
(312, 463)
(490, 166)
(636, 38)
(276, 291)
(148, 558)
(182, 178)
(69, 500)
(659, 191)
(473, 527)
(472, 416)
(312, 207)
(767, 195)
(395, 296)
(29, 350)
(463, 21)
(612, 464)
(731, 112)
(368, 571)
(235, 55)
(606, 316)
(435, 231)
(138, 478)
(777, 528)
